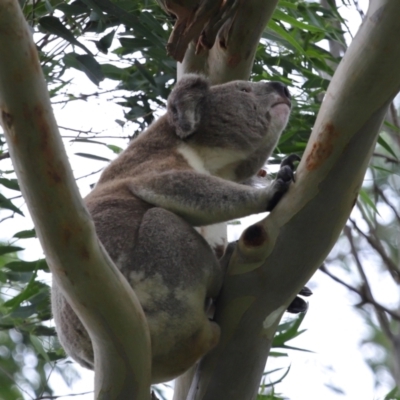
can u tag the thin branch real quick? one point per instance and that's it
(4, 155)
(364, 299)
(78, 130)
(387, 158)
(377, 245)
(90, 174)
(366, 289)
(8, 217)
(358, 8)
(99, 137)
(53, 366)
(12, 378)
(364, 278)
(381, 194)
(60, 396)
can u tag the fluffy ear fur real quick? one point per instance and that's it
(185, 104)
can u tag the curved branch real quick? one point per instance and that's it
(300, 232)
(79, 263)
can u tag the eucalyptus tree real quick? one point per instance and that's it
(224, 40)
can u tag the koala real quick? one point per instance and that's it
(185, 171)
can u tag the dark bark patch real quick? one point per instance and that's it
(84, 253)
(234, 60)
(66, 235)
(7, 119)
(254, 236)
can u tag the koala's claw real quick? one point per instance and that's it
(298, 305)
(289, 162)
(286, 174)
(305, 292)
(283, 180)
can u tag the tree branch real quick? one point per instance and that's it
(297, 236)
(232, 54)
(381, 194)
(79, 263)
(377, 245)
(387, 158)
(363, 297)
(4, 155)
(366, 288)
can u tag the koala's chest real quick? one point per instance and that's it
(212, 161)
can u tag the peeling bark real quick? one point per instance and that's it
(232, 54)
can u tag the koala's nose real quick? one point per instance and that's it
(281, 89)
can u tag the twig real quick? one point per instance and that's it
(53, 366)
(11, 377)
(363, 298)
(387, 158)
(4, 155)
(78, 130)
(385, 199)
(377, 245)
(366, 289)
(358, 8)
(65, 395)
(84, 97)
(8, 217)
(91, 173)
(98, 137)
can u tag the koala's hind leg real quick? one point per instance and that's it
(70, 330)
(174, 273)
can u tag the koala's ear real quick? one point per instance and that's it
(186, 104)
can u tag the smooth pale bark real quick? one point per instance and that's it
(92, 284)
(297, 236)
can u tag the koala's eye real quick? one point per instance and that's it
(245, 89)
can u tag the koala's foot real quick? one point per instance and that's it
(298, 305)
(283, 180)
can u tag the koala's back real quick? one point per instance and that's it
(158, 253)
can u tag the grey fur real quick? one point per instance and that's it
(185, 170)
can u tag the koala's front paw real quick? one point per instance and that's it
(283, 180)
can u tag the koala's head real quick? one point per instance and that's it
(240, 116)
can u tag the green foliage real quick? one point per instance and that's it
(393, 394)
(27, 343)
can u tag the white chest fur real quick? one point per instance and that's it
(212, 161)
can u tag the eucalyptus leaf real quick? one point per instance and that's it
(53, 25)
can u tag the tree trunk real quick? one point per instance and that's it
(263, 279)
